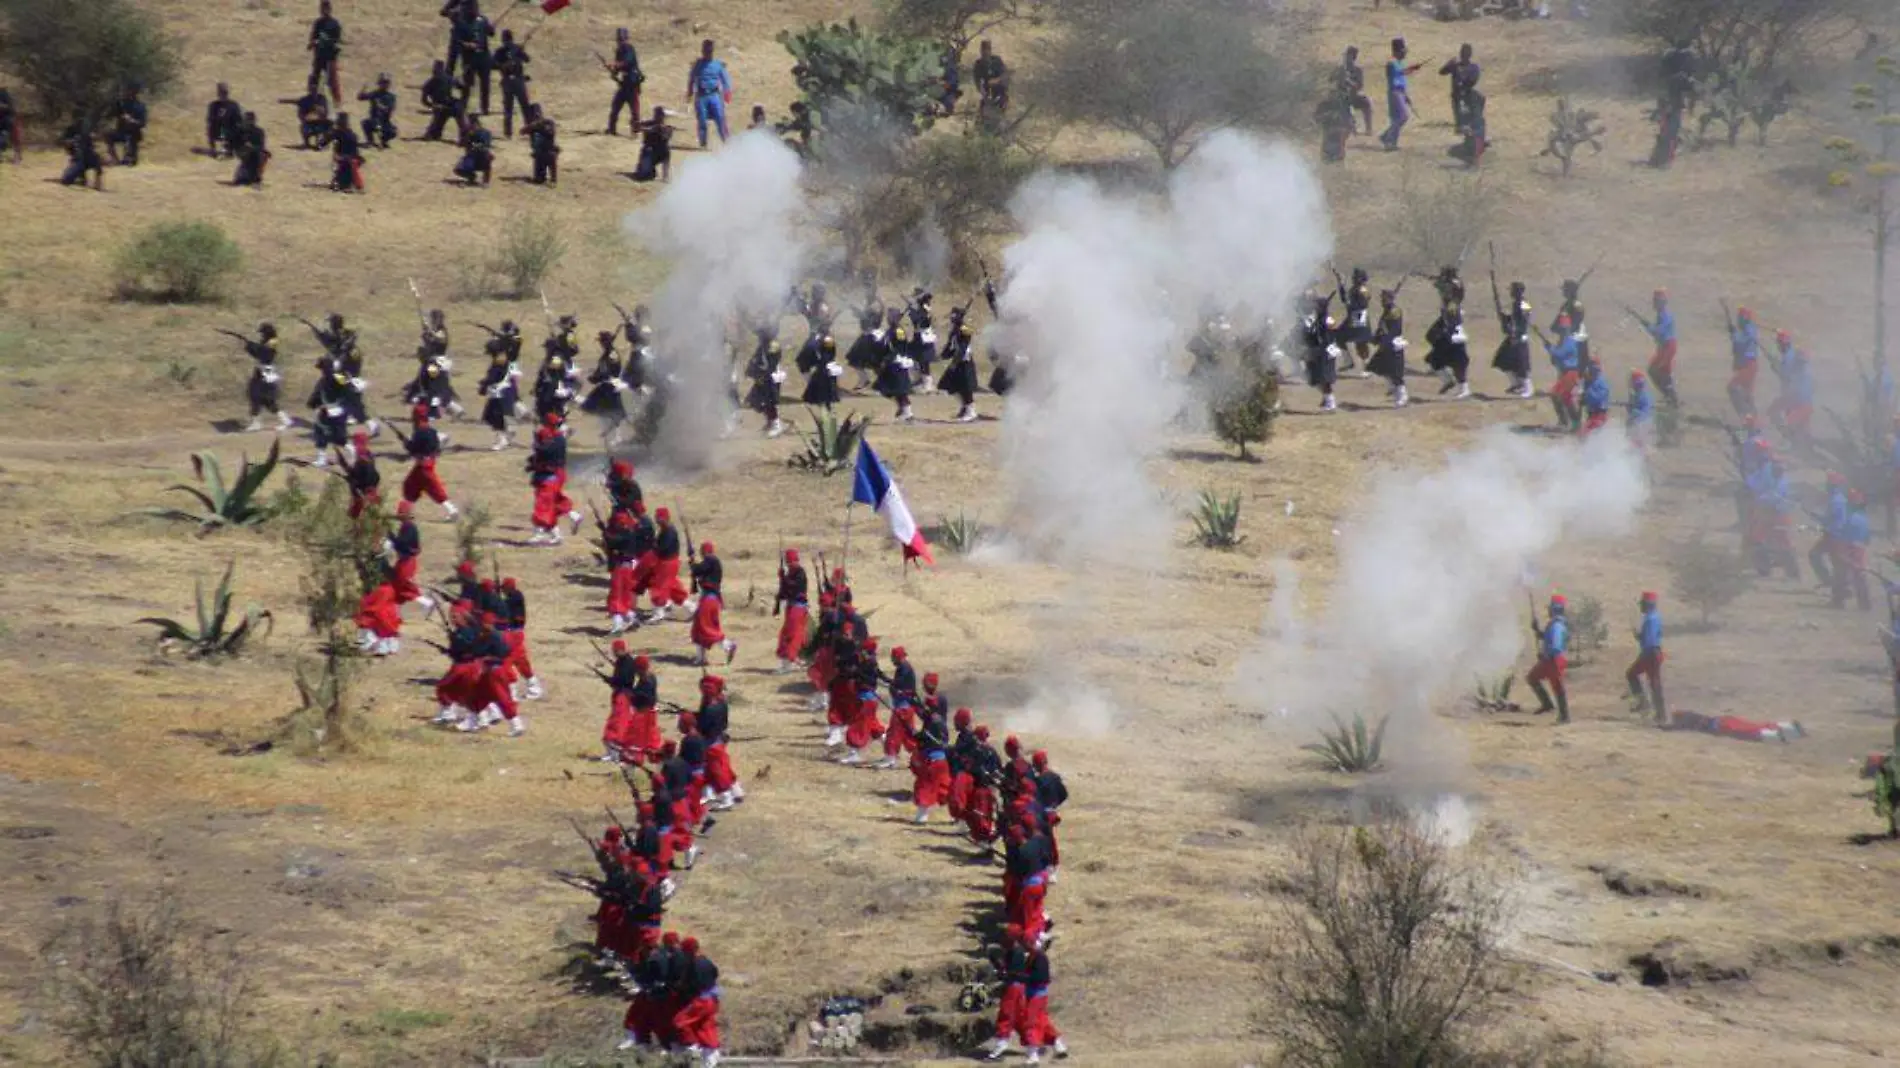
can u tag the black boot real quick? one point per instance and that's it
(1543, 698)
(1656, 690)
(1563, 706)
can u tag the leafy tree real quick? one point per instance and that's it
(956, 23)
(1243, 414)
(867, 97)
(1870, 163)
(964, 182)
(1724, 32)
(1170, 74)
(77, 55)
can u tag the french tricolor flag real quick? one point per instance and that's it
(873, 485)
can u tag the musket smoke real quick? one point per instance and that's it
(1101, 293)
(1432, 579)
(728, 224)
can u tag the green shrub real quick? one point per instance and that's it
(1217, 521)
(1589, 631)
(177, 262)
(1243, 415)
(76, 55)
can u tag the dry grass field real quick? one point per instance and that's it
(398, 907)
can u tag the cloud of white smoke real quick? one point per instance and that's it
(728, 225)
(1101, 293)
(1433, 577)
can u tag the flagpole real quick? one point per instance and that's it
(843, 560)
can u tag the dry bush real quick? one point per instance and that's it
(144, 987)
(1706, 578)
(1390, 949)
(1441, 222)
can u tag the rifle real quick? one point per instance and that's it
(1640, 321)
(1585, 276)
(1497, 300)
(421, 316)
(240, 338)
(492, 332)
(595, 508)
(1536, 628)
(692, 547)
(824, 575)
(546, 309)
(315, 329)
(1400, 288)
(779, 600)
(1535, 329)
(617, 76)
(1728, 317)
(1339, 282)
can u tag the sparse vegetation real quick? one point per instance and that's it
(1887, 794)
(145, 987)
(239, 504)
(1170, 74)
(1388, 951)
(177, 262)
(833, 443)
(1870, 162)
(530, 248)
(1495, 696)
(959, 535)
(1589, 630)
(73, 57)
(213, 636)
(1706, 578)
(471, 531)
(1217, 521)
(1441, 223)
(1353, 748)
(957, 23)
(1571, 129)
(1243, 414)
(342, 559)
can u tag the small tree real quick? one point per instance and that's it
(177, 262)
(1706, 577)
(76, 56)
(868, 96)
(342, 560)
(1440, 223)
(1243, 414)
(957, 23)
(1870, 162)
(144, 986)
(1589, 630)
(1570, 129)
(1170, 74)
(964, 184)
(1389, 948)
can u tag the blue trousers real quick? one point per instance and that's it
(710, 107)
(1399, 107)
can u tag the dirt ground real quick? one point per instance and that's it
(399, 906)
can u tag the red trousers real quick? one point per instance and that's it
(360, 502)
(663, 583)
(1663, 363)
(422, 481)
(719, 773)
(1741, 384)
(650, 1018)
(902, 735)
(697, 1022)
(405, 579)
(459, 685)
(1011, 1010)
(844, 699)
(1035, 1026)
(823, 663)
(930, 781)
(493, 690)
(620, 590)
(1593, 422)
(864, 727)
(378, 613)
(1648, 664)
(551, 501)
(518, 652)
(980, 814)
(961, 786)
(707, 630)
(791, 633)
(1565, 388)
(1549, 669)
(1026, 909)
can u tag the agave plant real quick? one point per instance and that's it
(1217, 521)
(1351, 748)
(831, 445)
(238, 504)
(1495, 696)
(959, 535)
(211, 638)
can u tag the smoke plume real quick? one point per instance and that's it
(1101, 293)
(728, 224)
(1433, 578)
